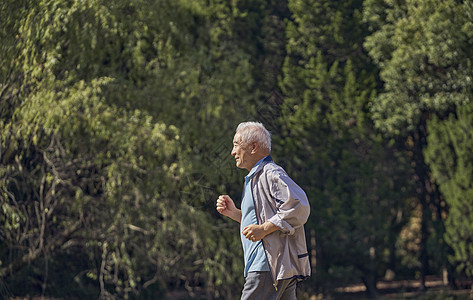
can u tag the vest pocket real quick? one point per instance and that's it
(302, 255)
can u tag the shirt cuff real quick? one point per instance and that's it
(285, 226)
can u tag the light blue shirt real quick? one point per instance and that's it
(253, 252)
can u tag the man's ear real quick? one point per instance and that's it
(254, 147)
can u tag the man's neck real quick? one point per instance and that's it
(257, 159)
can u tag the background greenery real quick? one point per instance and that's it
(116, 121)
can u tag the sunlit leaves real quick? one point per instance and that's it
(425, 58)
(449, 156)
(108, 110)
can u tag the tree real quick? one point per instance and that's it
(423, 49)
(260, 30)
(449, 155)
(110, 114)
(354, 179)
(71, 173)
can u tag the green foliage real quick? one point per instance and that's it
(449, 155)
(75, 171)
(353, 178)
(259, 30)
(116, 121)
(424, 50)
(109, 114)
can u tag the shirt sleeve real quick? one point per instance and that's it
(292, 205)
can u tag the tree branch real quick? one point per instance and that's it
(55, 243)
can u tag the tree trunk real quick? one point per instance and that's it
(33, 254)
(369, 280)
(313, 252)
(428, 195)
(370, 277)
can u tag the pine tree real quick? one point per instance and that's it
(353, 178)
(450, 144)
(423, 49)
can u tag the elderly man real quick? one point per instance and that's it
(273, 211)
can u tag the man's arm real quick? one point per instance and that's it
(292, 205)
(256, 232)
(226, 207)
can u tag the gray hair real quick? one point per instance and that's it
(254, 132)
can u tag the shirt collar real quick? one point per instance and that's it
(255, 167)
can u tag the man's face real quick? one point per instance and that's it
(242, 153)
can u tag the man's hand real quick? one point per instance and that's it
(226, 207)
(256, 232)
